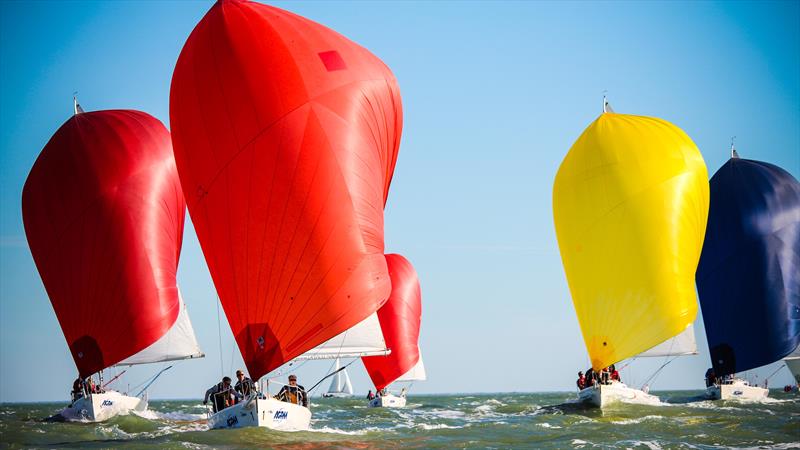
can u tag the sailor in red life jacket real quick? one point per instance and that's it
(615, 374)
(581, 381)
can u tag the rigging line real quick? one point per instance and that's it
(233, 353)
(219, 336)
(330, 375)
(655, 374)
(153, 380)
(773, 373)
(113, 379)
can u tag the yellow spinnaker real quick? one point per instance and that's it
(630, 202)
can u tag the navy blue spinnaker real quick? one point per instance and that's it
(748, 278)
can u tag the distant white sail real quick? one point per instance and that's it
(417, 373)
(340, 384)
(680, 345)
(348, 386)
(364, 339)
(178, 343)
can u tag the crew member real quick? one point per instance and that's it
(222, 395)
(581, 381)
(615, 374)
(370, 395)
(711, 377)
(245, 385)
(604, 375)
(78, 389)
(293, 393)
(590, 377)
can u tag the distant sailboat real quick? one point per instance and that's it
(630, 203)
(364, 339)
(104, 212)
(749, 273)
(340, 385)
(286, 135)
(400, 320)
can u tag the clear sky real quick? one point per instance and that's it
(494, 94)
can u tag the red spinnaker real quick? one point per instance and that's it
(400, 318)
(104, 212)
(286, 134)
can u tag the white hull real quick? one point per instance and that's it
(268, 413)
(388, 401)
(100, 407)
(736, 390)
(606, 394)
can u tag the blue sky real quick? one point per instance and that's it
(494, 95)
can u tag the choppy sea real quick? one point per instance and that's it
(505, 420)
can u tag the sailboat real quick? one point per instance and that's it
(104, 212)
(630, 202)
(340, 387)
(285, 135)
(400, 320)
(749, 273)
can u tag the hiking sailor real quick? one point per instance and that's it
(221, 394)
(293, 393)
(245, 385)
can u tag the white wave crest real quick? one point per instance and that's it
(636, 420)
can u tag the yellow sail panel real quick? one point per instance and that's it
(630, 203)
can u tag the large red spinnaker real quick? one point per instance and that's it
(286, 134)
(400, 319)
(104, 212)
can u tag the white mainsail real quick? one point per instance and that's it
(348, 386)
(341, 382)
(793, 364)
(178, 343)
(364, 339)
(416, 373)
(680, 345)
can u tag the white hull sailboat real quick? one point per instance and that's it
(262, 412)
(103, 406)
(736, 389)
(749, 300)
(340, 387)
(122, 187)
(365, 338)
(388, 401)
(603, 395)
(401, 317)
(630, 225)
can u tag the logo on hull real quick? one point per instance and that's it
(107, 403)
(281, 414)
(232, 420)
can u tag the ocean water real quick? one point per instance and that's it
(506, 420)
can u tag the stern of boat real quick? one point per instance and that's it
(262, 412)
